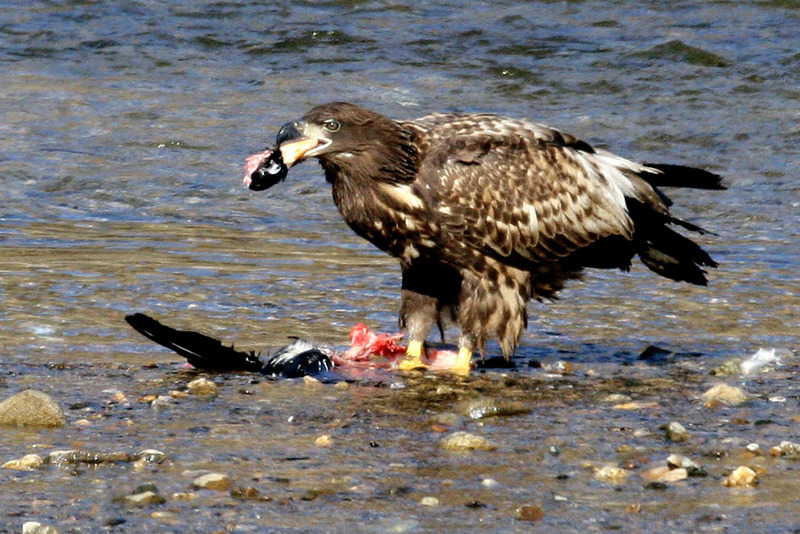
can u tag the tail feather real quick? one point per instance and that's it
(681, 176)
(689, 226)
(665, 251)
(674, 256)
(201, 351)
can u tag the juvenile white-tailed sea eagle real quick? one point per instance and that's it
(486, 212)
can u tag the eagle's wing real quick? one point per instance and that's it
(521, 188)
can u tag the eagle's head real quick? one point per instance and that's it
(350, 139)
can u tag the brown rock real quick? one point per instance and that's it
(202, 387)
(676, 432)
(87, 457)
(29, 462)
(246, 493)
(143, 499)
(633, 508)
(310, 381)
(655, 473)
(31, 408)
(725, 394)
(636, 405)
(742, 476)
(464, 441)
(610, 473)
(673, 475)
(530, 512)
(212, 481)
(787, 449)
(483, 407)
(32, 527)
(324, 440)
(430, 501)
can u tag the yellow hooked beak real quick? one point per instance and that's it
(300, 140)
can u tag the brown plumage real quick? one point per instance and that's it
(486, 212)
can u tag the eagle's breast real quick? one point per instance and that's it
(393, 217)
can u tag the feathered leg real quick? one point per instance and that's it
(491, 306)
(429, 297)
(417, 316)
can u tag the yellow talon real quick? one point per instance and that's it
(462, 365)
(413, 357)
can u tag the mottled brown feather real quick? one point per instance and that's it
(515, 187)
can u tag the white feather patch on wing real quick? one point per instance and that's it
(403, 194)
(533, 223)
(609, 172)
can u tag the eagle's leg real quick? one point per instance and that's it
(463, 363)
(413, 358)
(417, 316)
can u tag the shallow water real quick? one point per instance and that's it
(123, 131)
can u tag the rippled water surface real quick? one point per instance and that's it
(123, 130)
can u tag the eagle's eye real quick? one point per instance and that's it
(331, 125)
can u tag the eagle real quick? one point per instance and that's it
(485, 213)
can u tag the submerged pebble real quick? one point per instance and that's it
(665, 474)
(729, 368)
(87, 457)
(324, 440)
(754, 449)
(633, 508)
(143, 498)
(311, 381)
(725, 394)
(444, 389)
(31, 408)
(29, 462)
(151, 456)
(118, 397)
(610, 473)
(246, 493)
(464, 441)
(742, 476)
(148, 457)
(490, 407)
(675, 461)
(636, 405)
(212, 481)
(202, 387)
(429, 501)
(677, 468)
(447, 419)
(183, 496)
(786, 449)
(529, 512)
(161, 402)
(34, 527)
(676, 432)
